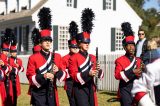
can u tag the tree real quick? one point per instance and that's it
(137, 3)
(150, 17)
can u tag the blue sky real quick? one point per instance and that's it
(152, 3)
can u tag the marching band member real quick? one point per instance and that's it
(82, 65)
(16, 64)
(44, 67)
(2, 86)
(141, 92)
(127, 67)
(73, 48)
(6, 43)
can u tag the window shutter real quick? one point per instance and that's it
(112, 39)
(29, 4)
(27, 37)
(20, 39)
(6, 3)
(75, 3)
(55, 37)
(114, 5)
(15, 31)
(17, 5)
(104, 4)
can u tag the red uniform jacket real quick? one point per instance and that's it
(2, 87)
(124, 69)
(38, 65)
(4, 58)
(65, 62)
(17, 70)
(4, 70)
(7, 71)
(80, 66)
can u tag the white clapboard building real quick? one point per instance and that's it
(21, 15)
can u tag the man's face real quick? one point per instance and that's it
(84, 46)
(46, 45)
(5, 52)
(14, 54)
(130, 49)
(74, 50)
(141, 35)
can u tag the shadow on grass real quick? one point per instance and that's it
(111, 93)
(114, 99)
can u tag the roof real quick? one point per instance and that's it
(23, 13)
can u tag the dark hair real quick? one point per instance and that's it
(141, 29)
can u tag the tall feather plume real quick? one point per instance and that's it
(73, 30)
(8, 36)
(35, 36)
(86, 20)
(44, 16)
(13, 40)
(127, 29)
(3, 39)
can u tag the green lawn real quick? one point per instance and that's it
(103, 97)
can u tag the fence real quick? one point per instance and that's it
(107, 64)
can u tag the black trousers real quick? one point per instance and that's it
(84, 95)
(69, 84)
(126, 97)
(13, 79)
(157, 94)
(8, 100)
(40, 97)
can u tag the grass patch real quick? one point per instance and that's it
(103, 97)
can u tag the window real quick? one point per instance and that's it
(23, 39)
(63, 37)
(116, 38)
(72, 3)
(109, 5)
(69, 3)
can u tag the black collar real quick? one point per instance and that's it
(129, 57)
(44, 54)
(85, 54)
(71, 53)
(13, 57)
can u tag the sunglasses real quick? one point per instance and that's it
(141, 34)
